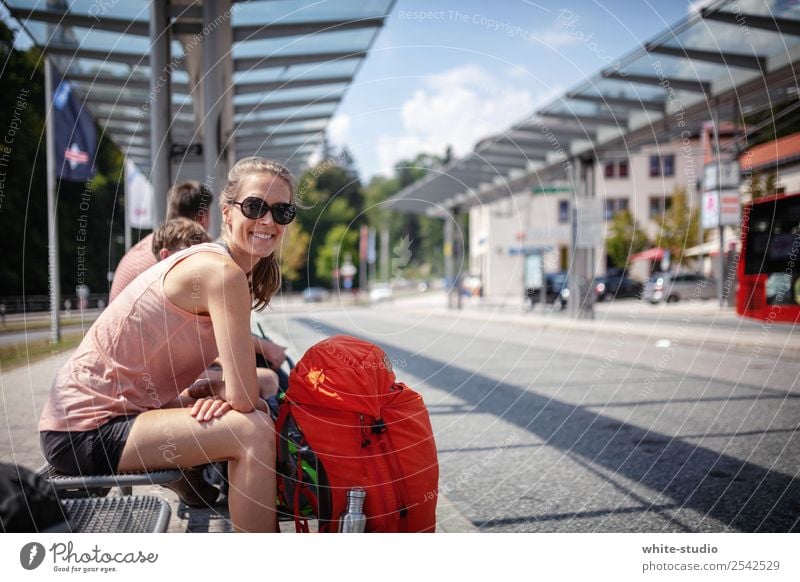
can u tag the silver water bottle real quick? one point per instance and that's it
(353, 519)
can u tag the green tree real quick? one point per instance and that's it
(679, 227)
(324, 193)
(625, 238)
(87, 233)
(340, 241)
(294, 254)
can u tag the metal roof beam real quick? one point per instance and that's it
(279, 30)
(278, 133)
(779, 25)
(250, 63)
(559, 131)
(742, 60)
(278, 121)
(680, 84)
(125, 83)
(585, 119)
(619, 101)
(127, 26)
(105, 56)
(269, 137)
(272, 105)
(246, 88)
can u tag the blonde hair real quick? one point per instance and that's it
(178, 233)
(265, 277)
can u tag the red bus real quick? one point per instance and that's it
(769, 265)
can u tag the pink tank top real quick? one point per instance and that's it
(141, 353)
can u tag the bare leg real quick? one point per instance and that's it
(267, 382)
(171, 438)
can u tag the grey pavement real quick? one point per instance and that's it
(648, 420)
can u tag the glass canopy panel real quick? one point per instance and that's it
(343, 68)
(334, 41)
(675, 68)
(282, 127)
(279, 115)
(74, 37)
(710, 35)
(578, 109)
(129, 9)
(775, 8)
(606, 88)
(291, 11)
(309, 94)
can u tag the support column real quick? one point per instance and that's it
(449, 271)
(53, 270)
(160, 109)
(580, 301)
(216, 28)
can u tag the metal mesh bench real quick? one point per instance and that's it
(68, 486)
(127, 514)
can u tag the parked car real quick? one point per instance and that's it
(381, 292)
(316, 295)
(610, 287)
(555, 285)
(672, 287)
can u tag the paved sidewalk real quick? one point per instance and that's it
(23, 392)
(697, 323)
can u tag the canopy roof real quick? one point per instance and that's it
(734, 56)
(292, 62)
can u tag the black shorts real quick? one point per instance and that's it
(93, 452)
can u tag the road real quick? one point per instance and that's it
(548, 430)
(640, 427)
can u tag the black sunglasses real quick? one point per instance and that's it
(254, 207)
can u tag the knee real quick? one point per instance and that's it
(256, 433)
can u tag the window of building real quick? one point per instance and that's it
(655, 167)
(659, 205)
(609, 169)
(614, 205)
(668, 165)
(563, 211)
(656, 206)
(622, 169)
(662, 166)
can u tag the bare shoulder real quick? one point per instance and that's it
(190, 282)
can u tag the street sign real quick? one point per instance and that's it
(721, 208)
(721, 175)
(710, 214)
(551, 190)
(730, 207)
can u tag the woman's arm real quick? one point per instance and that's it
(207, 283)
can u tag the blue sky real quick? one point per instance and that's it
(453, 72)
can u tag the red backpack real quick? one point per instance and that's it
(346, 422)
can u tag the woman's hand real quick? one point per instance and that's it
(206, 409)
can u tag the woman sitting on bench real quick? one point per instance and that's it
(120, 403)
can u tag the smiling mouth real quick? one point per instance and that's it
(262, 236)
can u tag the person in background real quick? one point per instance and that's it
(175, 235)
(189, 199)
(119, 404)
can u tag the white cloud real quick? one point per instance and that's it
(555, 37)
(458, 107)
(339, 129)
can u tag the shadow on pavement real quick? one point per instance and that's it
(742, 495)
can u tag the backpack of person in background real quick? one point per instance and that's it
(345, 422)
(28, 503)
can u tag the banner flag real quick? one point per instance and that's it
(138, 198)
(75, 135)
